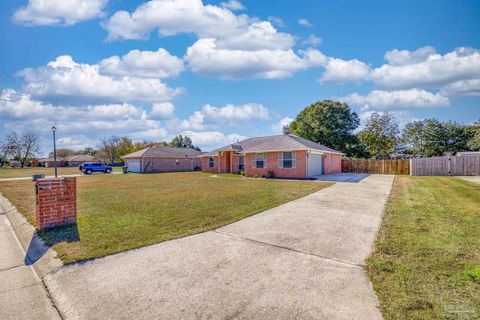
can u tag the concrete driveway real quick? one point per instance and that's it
(475, 179)
(301, 260)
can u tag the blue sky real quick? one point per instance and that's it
(224, 70)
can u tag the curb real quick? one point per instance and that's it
(39, 255)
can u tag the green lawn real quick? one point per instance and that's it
(426, 263)
(9, 172)
(120, 212)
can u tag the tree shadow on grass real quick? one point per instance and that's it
(42, 240)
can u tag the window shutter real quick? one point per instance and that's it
(280, 159)
(265, 160)
(294, 160)
(254, 156)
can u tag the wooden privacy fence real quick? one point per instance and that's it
(446, 166)
(376, 166)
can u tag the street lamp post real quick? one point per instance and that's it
(54, 150)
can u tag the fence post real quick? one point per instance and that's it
(449, 165)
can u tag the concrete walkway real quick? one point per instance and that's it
(301, 260)
(22, 294)
(475, 179)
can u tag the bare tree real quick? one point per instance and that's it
(29, 146)
(24, 147)
(8, 147)
(110, 149)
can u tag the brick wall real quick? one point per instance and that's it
(332, 163)
(205, 165)
(56, 202)
(170, 164)
(299, 172)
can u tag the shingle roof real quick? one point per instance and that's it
(287, 142)
(163, 151)
(82, 158)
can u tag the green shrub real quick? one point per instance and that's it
(270, 174)
(474, 274)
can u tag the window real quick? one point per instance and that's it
(286, 160)
(259, 160)
(241, 163)
(211, 162)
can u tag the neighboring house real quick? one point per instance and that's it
(70, 161)
(50, 162)
(288, 156)
(75, 161)
(163, 159)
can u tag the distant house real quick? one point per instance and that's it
(287, 156)
(163, 159)
(75, 161)
(70, 161)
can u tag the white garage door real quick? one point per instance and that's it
(133, 165)
(314, 165)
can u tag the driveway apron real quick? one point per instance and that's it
(300, 260)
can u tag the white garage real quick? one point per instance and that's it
(133, 165)
(314, 164)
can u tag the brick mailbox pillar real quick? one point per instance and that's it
(56, 202)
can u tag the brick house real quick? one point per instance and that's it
(288, 156)
(75, 161)
(70, 161)
(163, 159)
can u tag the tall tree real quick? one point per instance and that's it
(328, 122)
(110, 149)
(24, 147)
(474, 141)
(380, 136)
(183, 142)
(431, 137)
(62, 153)
(8, 147)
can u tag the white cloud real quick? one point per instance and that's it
(210, 115)
(425, 68)
(401, 99)
(403, 57)
(17, 106)
(313, 40)
(171, 17)
(258, 36)
(83, 126)
(162, 110)
(143, 64)
(68, 81)
(229, 46)
(276, 21)
(77, 125)
(212, 139)
(58, 12)
(469, 87)
(305, 23)
(234, 112)
(340, 71)
(204, 57)
(278, 127)
(234, 5)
